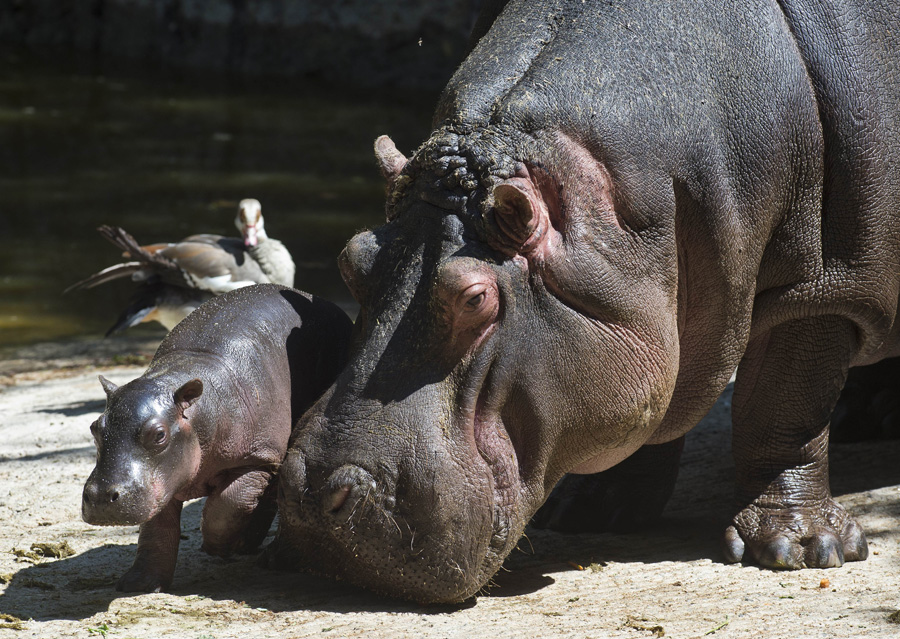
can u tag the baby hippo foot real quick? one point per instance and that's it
(142, 578)
(260, 523)
(237, 518)
(819, 536)
(243, 538)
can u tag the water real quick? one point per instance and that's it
(166, 157)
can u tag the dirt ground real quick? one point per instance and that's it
(667, 582)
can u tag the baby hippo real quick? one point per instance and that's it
(211, 417)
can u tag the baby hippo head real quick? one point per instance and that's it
(147, 450)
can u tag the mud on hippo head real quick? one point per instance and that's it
(146, 451)
(485, 366)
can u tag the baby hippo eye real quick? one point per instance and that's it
(154, 436)
(97, 428)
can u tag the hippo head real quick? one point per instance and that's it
(503, 340)
(146, 451)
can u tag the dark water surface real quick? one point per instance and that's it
(167, 157)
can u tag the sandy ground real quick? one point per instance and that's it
(667, 582)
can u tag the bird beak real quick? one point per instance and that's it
(250, 236)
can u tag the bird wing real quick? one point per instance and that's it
(205, 262)
(217, 267)
(157, 301)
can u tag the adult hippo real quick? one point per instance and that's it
(621, 202)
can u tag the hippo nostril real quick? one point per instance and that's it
(346, 487)
(91, 493)
(335, 500)
(96, 495)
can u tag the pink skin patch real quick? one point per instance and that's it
(496, 449)
(468, 293)
(471, 302)
(534, 209)
(192, 484)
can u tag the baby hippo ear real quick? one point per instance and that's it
(188, 394)
(108, 386)
(390, 160)
(521, 217)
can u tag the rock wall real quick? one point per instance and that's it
(372, 42)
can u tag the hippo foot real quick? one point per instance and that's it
(824, 536)
(259, 525)
(869, 406)
(279, 555)
(241, 542)
(140, 579)
(624, 498)
(218, 549)
(238, 546)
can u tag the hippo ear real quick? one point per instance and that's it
(390, 160)
(188, 394)
(108, 386)
(521, 216)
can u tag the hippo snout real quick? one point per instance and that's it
(113, 503)
(99, 502)
(337, 497)
(96, 494)
(291, 493)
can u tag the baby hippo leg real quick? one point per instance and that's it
(157, 551)
(238, 514)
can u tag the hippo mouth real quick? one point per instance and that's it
(497, 452)
(492, 444)
(433, 526)
(115, 508)
(130, 500)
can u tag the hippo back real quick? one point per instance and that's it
(266, 332)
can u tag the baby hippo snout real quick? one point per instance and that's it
(111, 503)
(96, 494)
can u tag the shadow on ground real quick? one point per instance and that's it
(84, 584)
(76, 409)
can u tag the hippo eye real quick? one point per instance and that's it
(154, 436)
(473, 298)
(475, 302)
(95, 431)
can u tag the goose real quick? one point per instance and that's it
(178, 277)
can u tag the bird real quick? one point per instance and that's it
(176, 278)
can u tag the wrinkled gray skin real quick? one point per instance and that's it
(620, 203)
(211, 417)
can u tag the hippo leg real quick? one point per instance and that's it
(869, 406)
(626, 497)
(157, 552)
(786, 386)
(260, 522)
(238, 515)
